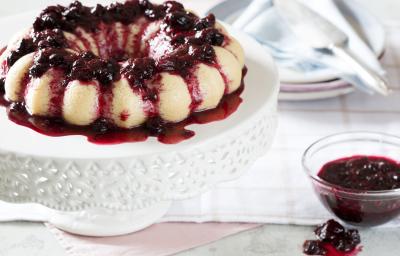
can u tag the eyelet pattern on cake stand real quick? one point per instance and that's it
(88, 192)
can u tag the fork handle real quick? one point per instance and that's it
(372, 82)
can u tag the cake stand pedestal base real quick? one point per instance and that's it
(108, 222)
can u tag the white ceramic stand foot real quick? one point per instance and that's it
(108, 222)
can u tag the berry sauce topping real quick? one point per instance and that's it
(139, 70)
(187, 39)
(88, 67)
(49, 39)
(50, 58)
(185, 57)
(103, 132)
(206, 22)
(363, 173)
(78, 15)
(39, 40)
(191, 37)
(333, 240)
(24, 47)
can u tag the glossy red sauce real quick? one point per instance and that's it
(171, 134)
(363, 173)
(358, 174)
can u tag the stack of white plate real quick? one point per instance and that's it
(304, 80)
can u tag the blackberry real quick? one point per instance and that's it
(2, 89)
(206, 22)
(105, 71)
(101, 126)
(203, 53)
(50, 18)
(139, 70)
(171, 6)
(25, 46)
(180, 20)
(314, 247)
(211, 36)
(17, 107)
(329, 231)
(155, 126)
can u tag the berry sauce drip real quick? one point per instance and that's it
(102, 132)
(363, 173)
(333, 240)
(2, 90)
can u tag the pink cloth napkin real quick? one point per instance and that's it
(157, 240)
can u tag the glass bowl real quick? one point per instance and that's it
(355, 207)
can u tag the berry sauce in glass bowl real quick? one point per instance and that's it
(357, 176)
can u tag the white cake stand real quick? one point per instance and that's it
(97, 190)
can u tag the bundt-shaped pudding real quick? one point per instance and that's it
(121, 66)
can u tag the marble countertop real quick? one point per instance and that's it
(22, 239)
(33, 239)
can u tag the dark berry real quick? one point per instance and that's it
(354, 236)
(329, 231)
(155, 126)
(313, 247)
(348, 241)
(172, 6)
(151, 11)
(101, 14)
(343, 245)
(50, 18)
(25, 46)
(56, 59)
(194, 40)
(152, 95)
(125, 13)
(179, 64)
(2, 89)
(89, 67)
(205, 22)
(154, 12)
(98, 11)
(139, 70)
(81, 71)
(101, 126)
(180, 20)
(50, 38)
(145, 4)
(179, 61)
(87, 55)
(211, 36)
(17, 107)
(37, 71)
(105, 71)
(77, 13)
(203, 53)
(178, 40)
(332, 234)
(49, 58)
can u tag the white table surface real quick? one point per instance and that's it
(32, 239)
